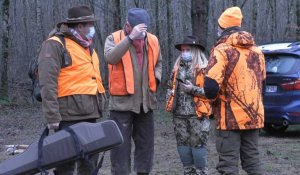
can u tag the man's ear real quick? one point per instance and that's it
(80, 27)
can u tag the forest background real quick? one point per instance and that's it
(25, 24)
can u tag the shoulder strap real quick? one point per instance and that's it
(82, 155)
(62, 40)
(91, 48)
(66, 58)
(40, 152)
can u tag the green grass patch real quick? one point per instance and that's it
(4, 99)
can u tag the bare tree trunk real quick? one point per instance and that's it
(1, 52)
(298, 21)
(200, 19)
(25, 24)
(4, 50)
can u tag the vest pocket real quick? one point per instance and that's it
(80, 105)
(117, 83)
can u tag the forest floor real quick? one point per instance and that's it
(280, 155)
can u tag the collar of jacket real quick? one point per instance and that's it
(67, 33)
(227, 32)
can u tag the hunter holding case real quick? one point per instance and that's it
(70, 80)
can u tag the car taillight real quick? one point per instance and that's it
(296, 114)
(293, 85)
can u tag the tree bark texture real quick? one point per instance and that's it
(26, 24)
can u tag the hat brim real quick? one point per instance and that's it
(178, 46)
(76, 21)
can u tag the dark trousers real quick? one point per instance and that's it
(140, 127)
(232, 145)
(83, 167)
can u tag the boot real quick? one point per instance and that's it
(189, 170)
(202, 171)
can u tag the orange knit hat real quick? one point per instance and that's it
(231, 17)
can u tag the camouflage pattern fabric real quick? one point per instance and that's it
(238, 66)
(184, 102)
(191, 131)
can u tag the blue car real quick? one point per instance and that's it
(282, 89)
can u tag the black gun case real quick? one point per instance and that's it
(62, 147)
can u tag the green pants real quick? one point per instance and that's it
(235, 145)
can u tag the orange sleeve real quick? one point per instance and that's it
(216, 66)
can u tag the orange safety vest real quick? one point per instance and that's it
(121, 78)
(202, 105)
(83, 75)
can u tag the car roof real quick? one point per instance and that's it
(289, 48)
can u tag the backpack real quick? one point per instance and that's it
(33, 71)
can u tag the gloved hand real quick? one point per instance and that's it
(187, 86)
(53, 126)
(138, 32)
(157, 82)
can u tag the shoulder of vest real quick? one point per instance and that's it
(151, 36)
(116, 32)
(117, 36)
(152, 39)
(55, 38)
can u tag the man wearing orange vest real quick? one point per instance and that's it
(135, 65)
(69, 75)
(234, 78)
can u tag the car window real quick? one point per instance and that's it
(282, 64)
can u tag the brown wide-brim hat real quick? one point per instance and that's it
(190, 40)
(79, 14)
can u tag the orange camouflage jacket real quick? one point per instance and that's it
(237, 66)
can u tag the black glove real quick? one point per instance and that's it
(157, 82)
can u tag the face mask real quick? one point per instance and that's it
(91, 33)
(186, 56)
(142, 36)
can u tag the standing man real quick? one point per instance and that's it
(69, 75)
(135, 65)
(234, 78)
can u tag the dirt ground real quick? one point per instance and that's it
(280, 155)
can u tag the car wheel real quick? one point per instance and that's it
(273, 129)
